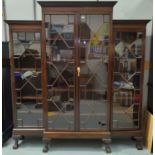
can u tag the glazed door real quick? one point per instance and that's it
(77, 71)
(60, 62)
(127, 79)
(94, 34)
(27, 91)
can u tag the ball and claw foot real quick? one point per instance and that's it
(108, 149)
(139, 146)
(15, 146)
(45, 148)
(139, 142)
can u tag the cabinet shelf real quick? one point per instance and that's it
(30, 97)
(136, 57)
(71, 61)
(34, 55)
(67, 113)
(72, 86)
(27, 69)
(137, 72)
(122, 112)
(30, 111)
(52, 39)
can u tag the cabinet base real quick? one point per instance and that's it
(20, 133)
(104, 135)
(76, 135)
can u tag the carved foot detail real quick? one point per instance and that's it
(108, 149)
(139, 146)
(45, 148)
(107, 143)
(139, 142)
(15, 146)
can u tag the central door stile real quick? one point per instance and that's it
(77, 78)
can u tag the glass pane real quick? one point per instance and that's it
(94, 46)
(59, 37)
(27, 52)
(60, 70)
(30, 36)
(37, 36)
(15, 36)
(27, 74)
(127, 79)
(21, 36)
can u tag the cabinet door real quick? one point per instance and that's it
(60, 66)
(94, 46)
(127, 79)
(27, 78)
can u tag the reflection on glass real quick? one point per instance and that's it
(30, 36)
(94, 43)
(27, 52)
(94, 36)
(127, 78)
(60, 70)
(59, 37)
(27, 74)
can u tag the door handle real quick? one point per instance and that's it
(78, 71)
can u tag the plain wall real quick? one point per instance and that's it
(124, 9)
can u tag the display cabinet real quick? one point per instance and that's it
(128, 73)
(77, 74)
(26, 73)
(77, 41)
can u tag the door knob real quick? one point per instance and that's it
(78, 71)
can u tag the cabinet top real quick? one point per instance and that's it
(77, 3)
(135, 21)
(127, 25)
(25, 22)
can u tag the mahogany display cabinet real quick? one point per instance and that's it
(78, 74)
(26, 76)
(128, 74)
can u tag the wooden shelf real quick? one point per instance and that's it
(81, 89)
(30, 97)
(71, 61)
(52, 113)
(136, 57)
(26, 54)
(127, 73)
(59, 39)
(123, 89)
(27, 69)
(32, 111)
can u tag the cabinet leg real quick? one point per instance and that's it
(46, 143)
(139, 146)
(107, 143)
(16, 139)
(139, 142)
